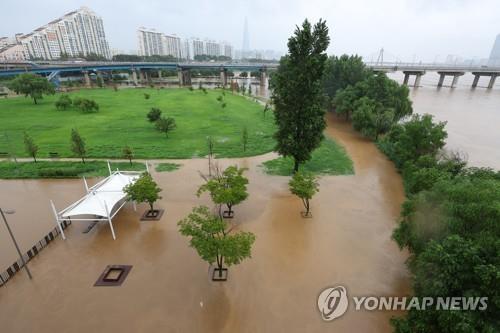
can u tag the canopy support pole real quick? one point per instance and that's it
(147, 167)
(109, 221)
(86, 185)
(109, 168)
(57, 220)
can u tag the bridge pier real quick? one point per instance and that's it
(134, 77)
(184, 76)
(141, 77)
(263, 79)
(443, 74)
(159, 74)
(492, 81)
(476, 81)
(418, 76)
(86, 79)
(477, 75)
(223, 77)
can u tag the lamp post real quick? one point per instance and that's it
(2, 212)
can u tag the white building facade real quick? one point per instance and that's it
(78, 33)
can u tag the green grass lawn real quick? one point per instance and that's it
(329, 159)
(63, 169)
(162, 167)
(122, 121)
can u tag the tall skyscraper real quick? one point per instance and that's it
(246, 40)
(80, 32)
(495, 52)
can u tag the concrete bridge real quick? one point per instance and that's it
(141, 71)
(418, 70)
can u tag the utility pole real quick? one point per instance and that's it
(14, 241)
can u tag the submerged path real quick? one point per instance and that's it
(347, 242)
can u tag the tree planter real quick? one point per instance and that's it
(219, 274)
(152, 215)
(306, 215)
(228, 214)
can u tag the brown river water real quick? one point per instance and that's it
(347, 242)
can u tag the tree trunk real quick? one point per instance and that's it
(34, 157)
(307, 207)
(130, 160)
(229, 209)
(295, 165)
(151, 205)
(34, 100)
(83, 159)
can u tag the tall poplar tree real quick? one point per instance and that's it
(298, 93)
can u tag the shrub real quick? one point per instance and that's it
(147, 96)
(165, 125)
(154, 114)
(64, 102)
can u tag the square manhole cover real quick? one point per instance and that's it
(113, 276)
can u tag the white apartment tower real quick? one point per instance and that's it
(77, 33)
(150, 42)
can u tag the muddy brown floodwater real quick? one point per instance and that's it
(347, 242)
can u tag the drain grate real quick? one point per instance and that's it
(113, 276)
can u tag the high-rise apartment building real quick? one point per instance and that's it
(78, 33)
(152, 42)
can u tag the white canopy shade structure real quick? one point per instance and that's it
(102, 201)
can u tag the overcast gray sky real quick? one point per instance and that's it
(425, 29)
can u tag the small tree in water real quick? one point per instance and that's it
(30, 146)
(304, 185)
(144, 189)
(213, 242)
(78, 145)
(227, 188)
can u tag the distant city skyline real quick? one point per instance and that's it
(422, 30)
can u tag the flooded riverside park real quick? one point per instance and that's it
(346, 242)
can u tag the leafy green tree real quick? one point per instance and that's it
(154, 114)
(417, 137)
(212, 241)
(304, 185)
(147, 96)
(165, 125)
(144, 189)
(64, 102)
(227, 188)
(298, 94)
(244, 74)
(452, 232)
(244, 138)
(343, 71)
(30, 146)
(371, 118)
(128, 153)
(387, 94)
(78, 144)
(31, 85)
